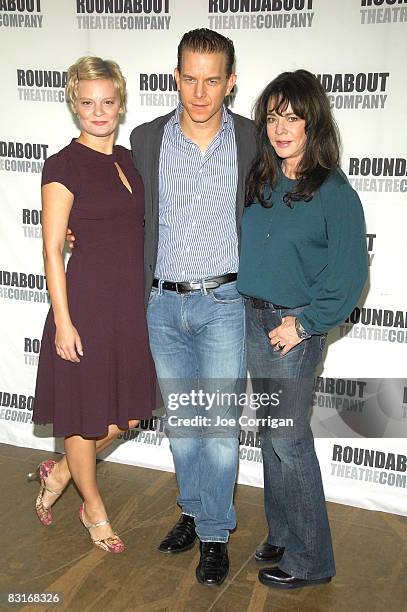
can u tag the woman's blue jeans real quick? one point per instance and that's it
(293, 492)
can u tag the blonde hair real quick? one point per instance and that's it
(90, 68)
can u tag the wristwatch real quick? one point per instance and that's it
(301, 332)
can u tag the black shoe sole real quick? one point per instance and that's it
(287, 585)
(180, 550)
(210, 584)
(273, 561)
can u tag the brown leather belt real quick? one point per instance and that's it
(208, 283)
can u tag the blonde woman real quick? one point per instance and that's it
(95, 375)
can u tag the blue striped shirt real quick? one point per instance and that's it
(197, 204)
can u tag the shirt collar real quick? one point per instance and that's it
(226, 121)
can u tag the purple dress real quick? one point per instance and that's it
(115, 379)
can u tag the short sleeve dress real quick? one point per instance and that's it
(115, 379)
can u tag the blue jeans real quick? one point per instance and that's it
(197, 341)
(293, 492)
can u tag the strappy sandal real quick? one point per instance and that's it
(42, 472)
(112, 544)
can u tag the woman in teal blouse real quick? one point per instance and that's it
(303, 267)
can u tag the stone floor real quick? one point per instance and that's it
(370, 548)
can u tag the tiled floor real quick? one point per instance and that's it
(370, 548)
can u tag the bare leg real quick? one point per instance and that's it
(81, 458)
(61, 475)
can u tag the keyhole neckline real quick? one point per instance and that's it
(118, 167)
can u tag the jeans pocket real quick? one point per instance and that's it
(153, 295)
(322, 341)
(226, 294)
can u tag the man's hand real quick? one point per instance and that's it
(70, 238)
(284, 337)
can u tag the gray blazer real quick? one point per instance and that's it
(145, 146)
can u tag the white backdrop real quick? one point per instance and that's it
(357, 47)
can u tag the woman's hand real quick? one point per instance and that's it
(284, 337)
(68, 343)
(70, 238)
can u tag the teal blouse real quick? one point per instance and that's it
(313, 254)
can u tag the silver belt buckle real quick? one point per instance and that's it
(211, 284)
(192, 286)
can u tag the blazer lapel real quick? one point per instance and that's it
(241, 170)
(156, 138)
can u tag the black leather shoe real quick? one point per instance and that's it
(214, 563)
(276, 578)
(268, 552)
(181, 537)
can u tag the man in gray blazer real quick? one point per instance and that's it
(194, 163)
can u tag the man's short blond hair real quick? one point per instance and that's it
(90, 68)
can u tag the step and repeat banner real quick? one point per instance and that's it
(357, 48)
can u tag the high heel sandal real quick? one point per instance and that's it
(112, 544)
(42, 472)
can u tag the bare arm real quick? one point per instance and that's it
(57, 202)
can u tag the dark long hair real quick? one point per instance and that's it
(308, 100)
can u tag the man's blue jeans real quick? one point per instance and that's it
(197, 341)
(293, 492)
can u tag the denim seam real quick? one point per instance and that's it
(243, 360)
(274, 543)
(216, 300)
(311, 527)
(153, 294)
